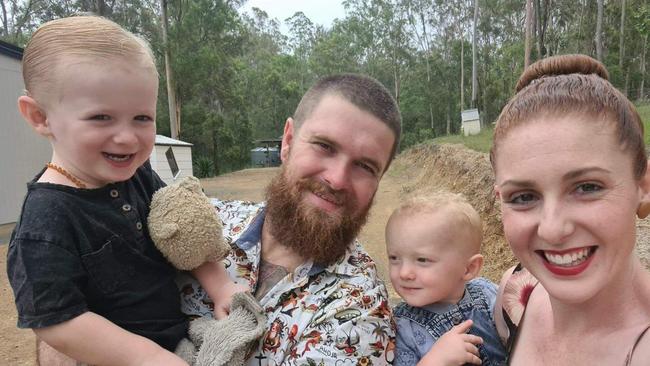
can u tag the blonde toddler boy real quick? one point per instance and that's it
(433, 244)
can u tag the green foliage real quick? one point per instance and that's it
(238, 77)
(203, 167)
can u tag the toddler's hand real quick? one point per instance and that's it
(455, 347)
(224, 299)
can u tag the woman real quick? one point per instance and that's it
(571, 175)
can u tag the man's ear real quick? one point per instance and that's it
(474, 265)
(34, 115)
(287, 139)
(644, 195)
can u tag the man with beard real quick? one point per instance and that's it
(298, 253)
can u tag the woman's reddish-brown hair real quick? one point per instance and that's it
(572, 85)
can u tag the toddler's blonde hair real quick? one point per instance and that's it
(459, 213)
(81, 37)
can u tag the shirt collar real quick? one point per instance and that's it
(253, 233)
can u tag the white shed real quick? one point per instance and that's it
(171, 159)
(23, 153)
(471, 124)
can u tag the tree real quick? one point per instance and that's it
(621, 39)
(474, 76)
(599, 31)
(529, 32)
(174, 122)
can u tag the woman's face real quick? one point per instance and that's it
(568, 200)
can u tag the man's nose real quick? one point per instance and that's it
(337, 175)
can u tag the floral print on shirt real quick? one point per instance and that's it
(337, 315)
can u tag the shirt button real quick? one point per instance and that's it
(114, 193)
(138, 225)
(126, 207)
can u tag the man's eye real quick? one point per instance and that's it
(323, 146)
(367, 168)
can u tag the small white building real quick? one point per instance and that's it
(171, 159)
(471, 123)
(23, 153)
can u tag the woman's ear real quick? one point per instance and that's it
(34, 115)
(474, 265)
(644, 195)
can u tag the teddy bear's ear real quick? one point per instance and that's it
(191, 184)
(167, 230)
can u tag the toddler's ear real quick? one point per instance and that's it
(34, 115)
(474, 265)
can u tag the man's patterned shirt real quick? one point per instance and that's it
(337, 315)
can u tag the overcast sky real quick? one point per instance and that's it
(321, 12)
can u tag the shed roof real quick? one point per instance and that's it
(10, 50)
(164, 140)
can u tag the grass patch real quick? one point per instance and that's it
(483, 141)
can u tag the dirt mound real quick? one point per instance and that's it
(455, 168)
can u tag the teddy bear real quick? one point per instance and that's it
(184, 225)
(186, 229)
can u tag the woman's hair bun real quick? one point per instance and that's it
(561, 65)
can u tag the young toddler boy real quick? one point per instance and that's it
(86, 276)
(433, 244)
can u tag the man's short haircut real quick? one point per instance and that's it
(364, 92)
(459, 213)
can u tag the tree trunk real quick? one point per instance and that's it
(462, 72)
(541, 14)
(5, 25)
(425, 41)
(529, 31)
(538, 27)
(474, 75)
(599, 31)
(448, 118)
(171, 94)
(642, 68)
(626, 89)
(100, 8)
(621, 39)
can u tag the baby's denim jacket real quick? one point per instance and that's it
(419, 328)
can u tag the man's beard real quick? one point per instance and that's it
(310, 231)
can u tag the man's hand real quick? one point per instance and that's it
(455, 347)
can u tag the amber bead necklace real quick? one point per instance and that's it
(67, 174)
